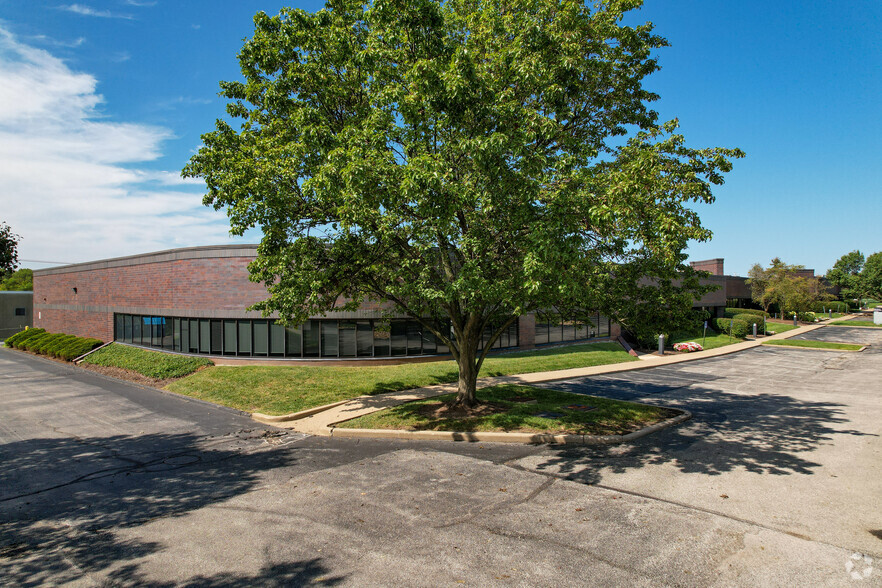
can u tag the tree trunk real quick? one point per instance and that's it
(468, 376)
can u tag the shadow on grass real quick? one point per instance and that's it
(62, 498)
(761, 433)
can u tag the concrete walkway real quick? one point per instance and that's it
(320, 420)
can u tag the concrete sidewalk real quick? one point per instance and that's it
(320, 420)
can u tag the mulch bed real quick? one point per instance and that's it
(128, 375)
(441, 410)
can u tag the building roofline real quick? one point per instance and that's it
(200, 252)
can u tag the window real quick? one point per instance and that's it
(311, 338)
(382, 338)
(277, 339)
(21, 312)
(348, 338)
(261, 337)
(229, 337)
(330, 340)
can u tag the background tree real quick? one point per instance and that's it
(846, 273)
(8, 250)
(21, 280)
(782, 285)
(468, 161)
(872, 275)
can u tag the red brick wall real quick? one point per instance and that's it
(714, 266)
(205, 285)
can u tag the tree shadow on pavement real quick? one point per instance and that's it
(62, 498)
(760, 433)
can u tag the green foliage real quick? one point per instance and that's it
(781, 284)
(750, 319)
(17, 338)
(733, 312)
(153, 364)
(872, 275)
(8, 250)
(846, 273)
(60, 345)
(834, 305)
(608, 417)
(459, 161)
(735, 328)
(21, 280)
(280, 390)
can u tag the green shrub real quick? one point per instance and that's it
(732, 312)
(32, 342)
(78, 347)
(60, 345)
(153, 364)
(750, 319)
(834, 305)
(23, 336)
(733, 327)
(56, 343)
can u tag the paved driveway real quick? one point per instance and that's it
(785, 438)
(107, 483)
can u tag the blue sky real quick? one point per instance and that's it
(102, 102)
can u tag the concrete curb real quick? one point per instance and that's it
(322, 419)
(293, 416)
(494, 437)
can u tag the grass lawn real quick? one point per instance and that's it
(513, 408)
(153, 364)
(712, 341)
(855, 323)
(291, 388)
(774, 328)
(814, 344)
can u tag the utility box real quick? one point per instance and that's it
(877, 315)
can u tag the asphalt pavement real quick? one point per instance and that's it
(774, 482)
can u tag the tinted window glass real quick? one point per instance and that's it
(230, 338)
(382, 338)
(261, 337)
(365, 339)
(347, 338)
(204, 337)
(217, 337)
(311, 339)
(330, 341)
(245, 337)
(414, 338)
(277, 339)
(399, 337)
(292, 344)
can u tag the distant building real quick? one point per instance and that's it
(193, 300)
(16, 310)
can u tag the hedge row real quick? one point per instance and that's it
(835, 306)
(732, 312)
(734, 327)
(60, 345)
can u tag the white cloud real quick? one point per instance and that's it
(142, 4)
(73, 182)
(84, 10)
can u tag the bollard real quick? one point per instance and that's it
(795, 321)
(661, 344)
(754, 330)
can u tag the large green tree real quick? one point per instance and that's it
(467, 160)
(784, 285)
(847, 274)
(872, 275)
(22, 279)
(8, 250)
